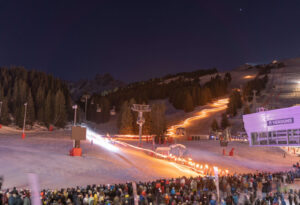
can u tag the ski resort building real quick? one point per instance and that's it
(280, 127)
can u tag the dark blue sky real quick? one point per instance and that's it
(135, 40)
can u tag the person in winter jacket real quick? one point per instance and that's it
(26, 200)
(86, 200)
(291, 198)
(12, 199)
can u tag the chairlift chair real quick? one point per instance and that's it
(112, 111)
(98, 108)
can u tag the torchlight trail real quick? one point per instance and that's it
(180, 163)
(107, 144)
(217, 106)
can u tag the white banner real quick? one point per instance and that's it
(217, 182)
(136, 200)
(35, 188)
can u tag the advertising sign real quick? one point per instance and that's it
(280, 121)
(78, 133)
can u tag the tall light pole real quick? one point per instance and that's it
(24, 123)
(75, 109)
(140, 120)
(84, 99)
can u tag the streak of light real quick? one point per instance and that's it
(184, 165)
(133, 136)
(217, 106)
(183, 169)
(100, 140)
(175, 161)
(106, 143)
(249, 76)
(189, 164)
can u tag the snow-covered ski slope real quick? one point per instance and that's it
(46, 154)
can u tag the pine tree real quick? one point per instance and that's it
(228, 77)
(22, 88)
(188, 103)
(231, 109)
(246, 109)
(19, 115)
(235, 103)
(126, 120)
(135, 115)
(30, 110)
(40, 103)
(207, 96)
(69, 109)
(91, 111)
(104, 115)
(147, 124)
(1, 93)
(214, 125)
(200, 97)
(158, 120)
(4, 118)
(224, 122)
(15, 99)
(48, 112)
(60, 115)
(123, 107)
(194, 92)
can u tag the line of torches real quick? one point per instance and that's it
(202, 170)
(218, 106)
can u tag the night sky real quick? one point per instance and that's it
(136, 40)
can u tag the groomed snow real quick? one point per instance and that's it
(46, 154)
(246, 159)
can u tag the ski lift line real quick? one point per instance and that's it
(267, 101)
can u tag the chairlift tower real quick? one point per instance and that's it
(254, 101)
(85, 98)
(140, 120)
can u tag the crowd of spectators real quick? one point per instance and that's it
(237, 189)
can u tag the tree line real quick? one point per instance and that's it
(264, 69)
(49, 102)
(48, 99)
(224, 123)
(182, 92)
